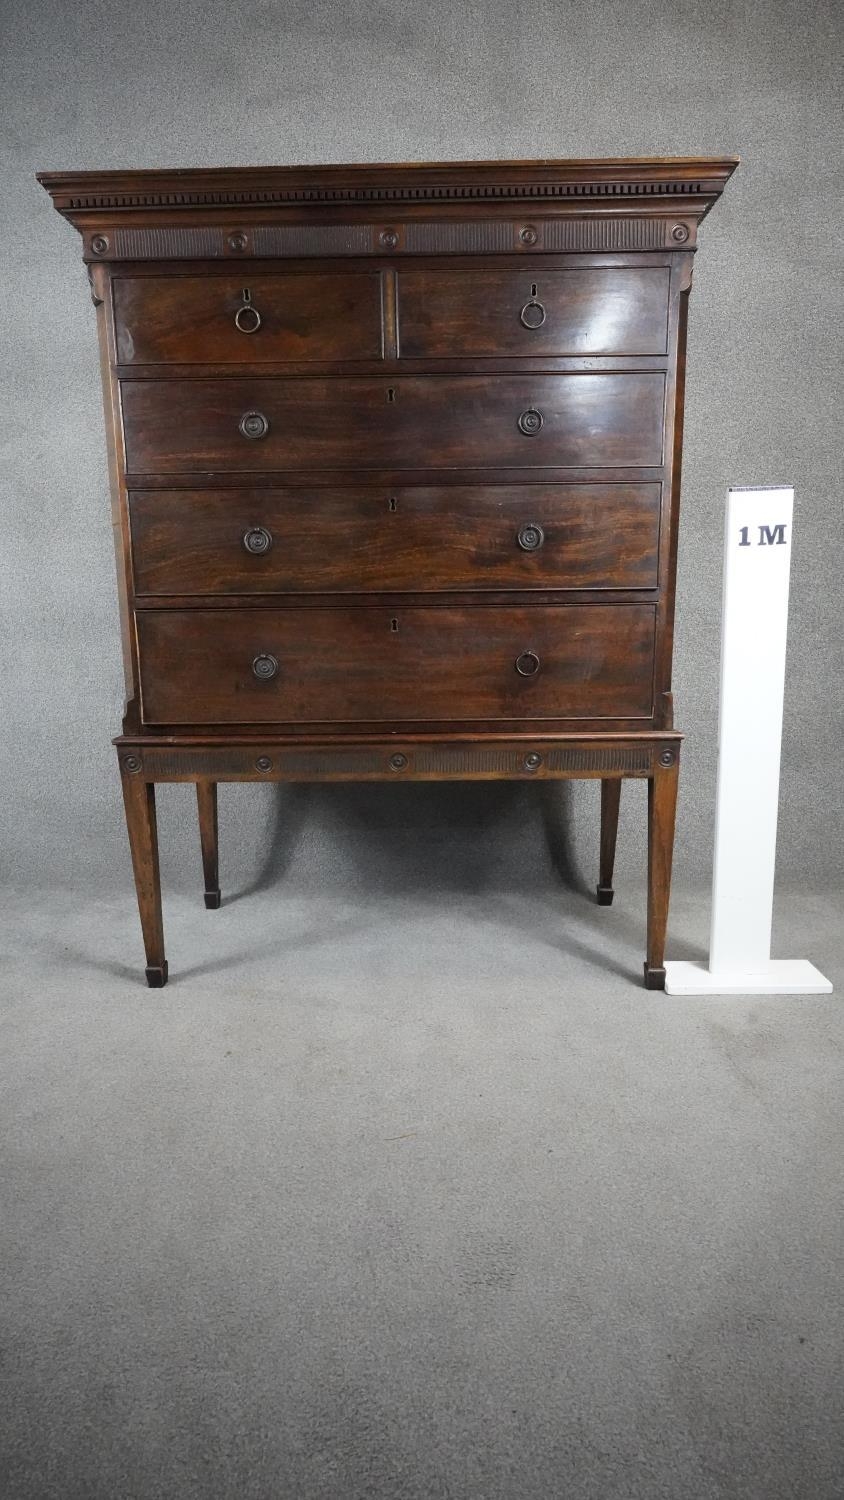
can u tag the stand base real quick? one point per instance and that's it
(273, 755)
(779, 976)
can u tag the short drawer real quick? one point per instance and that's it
(247, 318)
(477, 313)
(324, 665)
(422, 539)
(527, 422)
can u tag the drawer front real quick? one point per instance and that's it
(263, 666)
(414, 538)
(530, 312)
(525, 421)
(247, 318)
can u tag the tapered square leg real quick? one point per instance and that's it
(139, 802)
(206, 797)
(610, 801)
(662, 807)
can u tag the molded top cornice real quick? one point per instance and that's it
(694, 181)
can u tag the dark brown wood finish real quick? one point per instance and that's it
(420, 539)
(395, 457)
(247, 319)
(527, 422)
(662, 807)
(270, 666)
(493, 314)
(141, 826)
(610, 803)
(206, 797)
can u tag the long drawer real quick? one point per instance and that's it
(340, 539)
(483, 313)
(321, 665)
(424, 422)
(247, 318)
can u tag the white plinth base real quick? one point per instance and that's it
(779, 976)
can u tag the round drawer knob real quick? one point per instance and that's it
(253, 424)
(530, 422)
(527, 665)
(247, 319)
(530, 536)
(257, 540)
(533, 314)
(265, 667)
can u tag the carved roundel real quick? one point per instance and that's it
(398, 762)
(680, 233)
(263, 763)
(238, 240)
(667, 757)
(533, 760)
(528, 235)
(132, 763)
(388, 238)
(99, 244)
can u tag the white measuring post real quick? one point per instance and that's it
(757, 562)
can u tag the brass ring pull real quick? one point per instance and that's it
(527, 665)
(533, 314)
(265, 667)
(257, 540)
(253, 425)
(530, 536)
(530, 422)
(247, 319)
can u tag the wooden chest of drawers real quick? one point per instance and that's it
(395, 459)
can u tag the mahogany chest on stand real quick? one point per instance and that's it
(395, 461)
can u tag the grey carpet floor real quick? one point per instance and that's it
(416, 1199)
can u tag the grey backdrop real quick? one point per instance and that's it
(121, 84)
